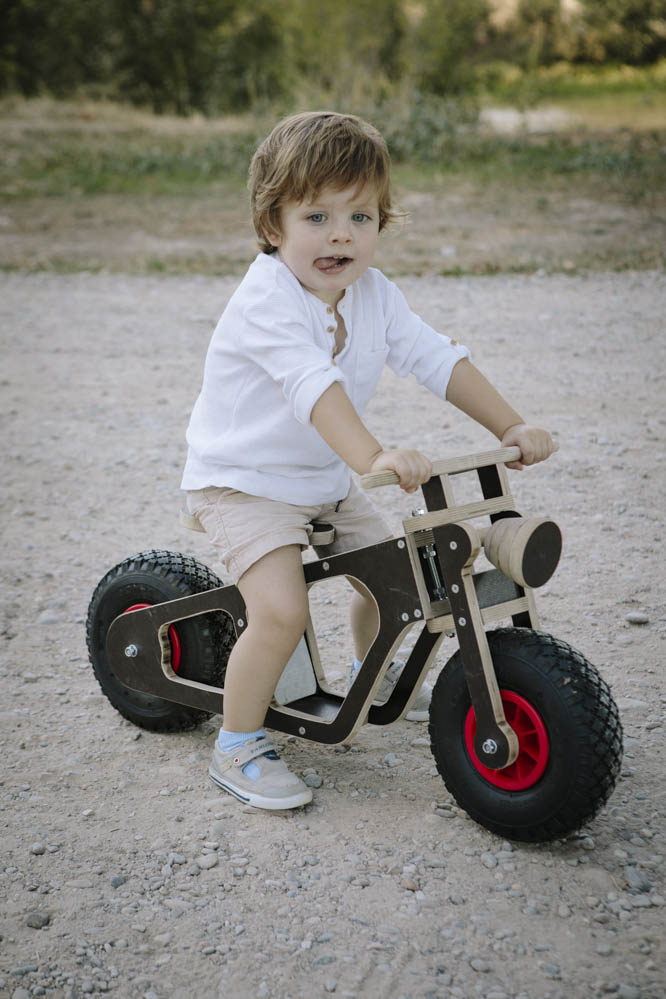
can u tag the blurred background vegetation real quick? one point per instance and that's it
(219, 56)
(168, 98)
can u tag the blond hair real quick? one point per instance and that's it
(312, 150)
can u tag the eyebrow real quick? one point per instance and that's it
(351, 205)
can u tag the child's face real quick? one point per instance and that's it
(330, 241)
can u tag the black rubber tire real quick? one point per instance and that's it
(153, 577)
(584, 735)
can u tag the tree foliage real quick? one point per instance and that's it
(448, 40)
(225, 55)
(631, 31)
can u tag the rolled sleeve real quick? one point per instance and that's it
(312, 389)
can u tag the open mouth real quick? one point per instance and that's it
(332, 265)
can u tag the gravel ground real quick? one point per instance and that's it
(124, 871)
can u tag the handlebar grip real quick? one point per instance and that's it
(450, 466)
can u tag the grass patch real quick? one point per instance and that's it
(88, 186)
(563, 82)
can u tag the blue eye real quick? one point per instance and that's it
(360, 217)
(316, 217)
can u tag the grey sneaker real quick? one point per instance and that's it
(419, 710)
(275, 787)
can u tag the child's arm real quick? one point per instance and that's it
(334, 417)
(472, 393)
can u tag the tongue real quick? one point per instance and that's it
(324, 263)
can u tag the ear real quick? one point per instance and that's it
(274, 238)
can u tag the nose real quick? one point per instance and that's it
(340, 232)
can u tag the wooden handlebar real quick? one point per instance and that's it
(447, 466)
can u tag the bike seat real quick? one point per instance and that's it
(322, 534)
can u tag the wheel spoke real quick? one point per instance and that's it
(533, 746)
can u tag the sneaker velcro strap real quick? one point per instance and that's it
(250, 751)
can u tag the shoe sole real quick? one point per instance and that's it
(260, 800)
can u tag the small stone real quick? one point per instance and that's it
(550, 970)
(38, 920)
(21, 993)
(409, 884)
(207, 861)
(38, 849)
(48, 617)
(637, 617)
(604, 949)
(117, 880)
(489, 860)
(627, 991)
(330, 985)
(636, 880)
(563, 911)
(478, 964)
(313, 780)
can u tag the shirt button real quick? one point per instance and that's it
(331, 329)
(329, 310)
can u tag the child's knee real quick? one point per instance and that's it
(281, 613)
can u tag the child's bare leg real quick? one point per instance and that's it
(364, 618)
(277, 612)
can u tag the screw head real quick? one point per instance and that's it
(455, 588)
(404, 617)
(401, 543)
(489, 747)
(240, 622)
(131, 651)
(453, 545)
(325, 566)
(462, 621)
(301, 730)
(417, 613)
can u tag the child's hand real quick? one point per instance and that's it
(411, 467)
(534, 443)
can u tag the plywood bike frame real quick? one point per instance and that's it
(425, 577)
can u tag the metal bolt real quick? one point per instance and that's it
(401, 543)
(131, 651)
(240, 622)
(301, 730)
(453, 545)
(325, 566)
(404, 617)
(489, 747)
(462, 621)
(455, 588)
(417, 613)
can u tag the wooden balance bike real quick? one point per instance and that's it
(524, 731)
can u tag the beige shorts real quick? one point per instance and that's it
(244, 528)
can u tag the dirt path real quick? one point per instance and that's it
(370, 892)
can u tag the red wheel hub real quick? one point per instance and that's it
(533, 745)
(173, 638)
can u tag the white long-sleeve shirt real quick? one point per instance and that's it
(270, 360)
